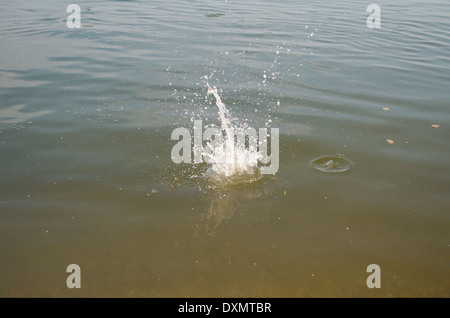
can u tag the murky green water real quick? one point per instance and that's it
(86, 175)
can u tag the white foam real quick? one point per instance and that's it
(233, 161)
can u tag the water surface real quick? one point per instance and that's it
(86, 117)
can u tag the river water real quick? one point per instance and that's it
(87, 178)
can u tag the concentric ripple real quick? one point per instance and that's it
(331, 164)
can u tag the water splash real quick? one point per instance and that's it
(232, 162)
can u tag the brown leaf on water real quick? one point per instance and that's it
(390, 141)
(386, 108)
(435, 125)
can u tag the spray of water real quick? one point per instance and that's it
(232, 161)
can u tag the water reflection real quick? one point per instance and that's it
(15, 115)
(223, 204)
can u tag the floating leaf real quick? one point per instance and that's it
(390, 141)
(386, 108)
(435, 125)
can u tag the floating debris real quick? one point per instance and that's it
(153, 192)
(435, 125)
(390, 141)
(214, 15)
